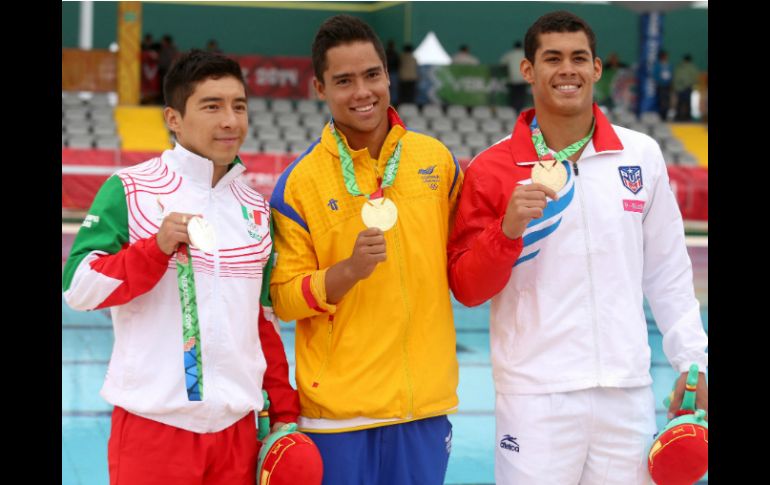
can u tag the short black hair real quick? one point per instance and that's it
(338, 30)
(558, 21)
(190, 69)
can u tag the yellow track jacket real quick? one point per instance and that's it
(386, 352)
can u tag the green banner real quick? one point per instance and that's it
(469, 85)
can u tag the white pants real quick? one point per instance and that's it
(587, 437)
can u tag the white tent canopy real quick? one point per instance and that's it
(430, 52)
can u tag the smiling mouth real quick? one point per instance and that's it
(364, 109)
(567, 88)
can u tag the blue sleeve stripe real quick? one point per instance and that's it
(555, 207)
(526, 258)
(535, 236)
(277, 201)
(457, 173)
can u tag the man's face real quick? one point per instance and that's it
(215, 120)
(563, 74)
(355, 86)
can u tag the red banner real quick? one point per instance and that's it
(84, 171)
(278, 77)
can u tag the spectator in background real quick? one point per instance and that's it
(407, 75)
(148, 43)
(517, 85)
(213, 46)
(704, 97)
(394, 61)
(150, 79)
(465, 57)
(168, 52)
(603, 87)
(685, 77)
(663, 75)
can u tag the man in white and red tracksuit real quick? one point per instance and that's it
(567, 260)
(193, 347)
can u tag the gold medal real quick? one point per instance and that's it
(550, 173)
(202, 234)
(380, 213)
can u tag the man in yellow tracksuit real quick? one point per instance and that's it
(361, 226)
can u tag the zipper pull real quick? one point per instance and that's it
(575, 168)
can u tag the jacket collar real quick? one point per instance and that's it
(397, 130)
(604, 140)
(197, 169)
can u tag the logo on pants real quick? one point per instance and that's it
(509, 443)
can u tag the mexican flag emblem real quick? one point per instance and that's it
(256, 222)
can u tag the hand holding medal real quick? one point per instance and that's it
(550, 173)
(527, 202)
(378, 211)
(202, 235)
(549, 176)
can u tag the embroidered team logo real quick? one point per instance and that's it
(256, 223)
(428, 177)
(631, 178)
(90, 220)
(332, 204)
(509, 443)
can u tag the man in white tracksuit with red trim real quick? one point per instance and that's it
(567, 268)
(180, 418)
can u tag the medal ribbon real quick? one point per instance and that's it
(349, 173)
(542, 149)
(191, 335)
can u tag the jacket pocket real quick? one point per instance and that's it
(327, 354)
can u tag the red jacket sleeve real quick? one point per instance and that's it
(138, 266)
(480, 256)
(284, 400)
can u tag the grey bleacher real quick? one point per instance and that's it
(467, 125)
(287, 120)
(505, 113)
(491, 126)
(80, 141)
(481, 112)
(408, 110)
(290, 126)
(261, 119)
(441, 124)
(450, 138)
(250, 145)
(314, 121)
(295, 134)
(457, 112)
(282, 106)
(88, 120)
(476, 142)
(432, 111)
(417, 124)
(462, 152)
(296, 147)
(107, 142)
(257, 105)
(268, 133)
(307, 106)
(275, 146)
